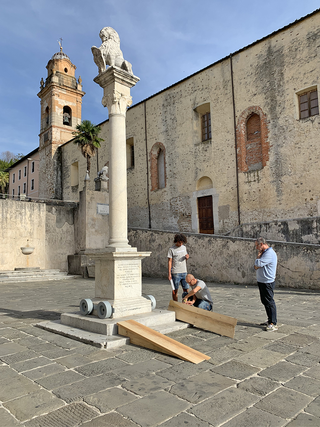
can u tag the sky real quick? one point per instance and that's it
(165, 41)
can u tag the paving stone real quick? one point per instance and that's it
(26, 365)
(100, 367)
(279, 347)
(110, 420)
(282, 371)
(14, 385)
(33, 404)
(12, 333)
(314, 408)
(70, 415)
(45, 347)
(110, 399)
(138, 370)
(249, 344)
(60, 379)
(224, 406)
(235, 369)
(185, 419)
(19, 357)
(254, 417)
(147, 384)
(313, 348)
(30, 341)
(4, 341)
(137, 356)
(56, 354)
(313, 372)
(184, 370)
(260, 358)
(154, 409)
(298, 340)
(303, 359)
(284, 403)
(201, 386)
(223, 354)
(101, 354)
(8, 420)
(306, 385)
(304, 420)
(80, 389)
(166, 358)
(44, 371)
(74, 360)
(259, 385)
(63, 342)
(10, 348)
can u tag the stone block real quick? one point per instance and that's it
(235, 369)
(60, 379)
(304, 420)
(108, 400)
(314, 407)
(258, 385)
(254, 417)
(282, 371)
(147, 384)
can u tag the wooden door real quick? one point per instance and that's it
(205, 214)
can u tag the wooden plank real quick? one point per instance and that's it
(146, 337)
(208, 320)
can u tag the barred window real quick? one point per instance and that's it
(206, 126)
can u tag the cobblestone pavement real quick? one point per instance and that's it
(258, 379)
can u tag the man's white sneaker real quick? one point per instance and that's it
(271, 328)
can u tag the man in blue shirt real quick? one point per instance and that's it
(266, 266)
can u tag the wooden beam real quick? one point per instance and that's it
(214, 322)
(146, 337)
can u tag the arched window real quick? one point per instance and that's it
(67, 116)
(158, 166)
(252, 140)
(253, 143)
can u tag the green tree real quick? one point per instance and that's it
(87, 139)
(4, 180)
(7, 159)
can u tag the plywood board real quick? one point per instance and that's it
(208, 320)
(146, 337)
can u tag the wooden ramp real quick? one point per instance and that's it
(214, 322)
(146, 337)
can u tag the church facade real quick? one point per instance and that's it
(236, 142)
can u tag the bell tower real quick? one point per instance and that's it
(61, 98)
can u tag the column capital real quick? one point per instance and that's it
(116, 84)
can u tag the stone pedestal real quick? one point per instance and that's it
(118, 280)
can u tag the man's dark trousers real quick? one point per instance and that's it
(266, 296)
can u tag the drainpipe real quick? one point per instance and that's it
(146, 141)
(235, 139)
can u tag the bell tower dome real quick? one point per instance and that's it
(61, 98)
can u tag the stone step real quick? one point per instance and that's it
(33, 275)
(103, 332)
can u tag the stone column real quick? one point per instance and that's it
(116, 84)
(118, 272)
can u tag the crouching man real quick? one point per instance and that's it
(199, 295)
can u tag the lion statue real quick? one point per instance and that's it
(109, 53)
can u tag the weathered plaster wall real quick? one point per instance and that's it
(49, 229)
(229, 259)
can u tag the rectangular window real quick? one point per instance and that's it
(19, 173)
(32, 184)
(32, 167)
(25, 171)
(308, 104)
(13, 178)
(206, 126)
(19, 190)
(24, 188)
(13, 193)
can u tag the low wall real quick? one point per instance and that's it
(229, 259)
(48, 227)
(300, 230)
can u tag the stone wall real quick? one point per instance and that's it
(49, 228)
(300, 230)
(229, 259)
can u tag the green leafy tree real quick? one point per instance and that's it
(7, 159)
(87, 139)
(4, 180)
